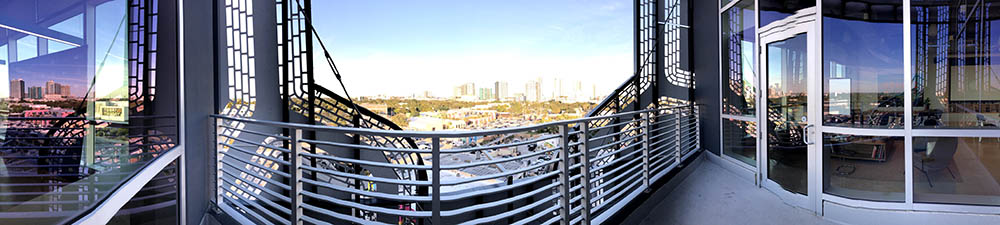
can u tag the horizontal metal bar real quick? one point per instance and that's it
(546, 212)
(401, 198)
(494, 176)
(254, 174)
(368, 163)
(605, 174)
(506, 145)
(427, 134)
(255, 132)
(366, 178)
(365, 147)
(516, 184)
(510, 213)
(267, 212)
(615, 133)
(325, 212)
(356, 205)
(251, 183)
(601, 156)
(254, 164)
(257, 196)
(504, 201)
(285, 150)
(273, 159)
(497, 161)
(604, 194)
(606, 146)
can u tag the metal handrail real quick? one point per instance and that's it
(576, 178)
(429, 134)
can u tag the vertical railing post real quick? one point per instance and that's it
(585, 170)
(436, 180)
(564, 194)
(645, 150)
(295, 161)
(677, 124)
(697, 125)
(218, 159)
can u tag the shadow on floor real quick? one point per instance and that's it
(714, 195)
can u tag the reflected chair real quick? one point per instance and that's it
(938, 159)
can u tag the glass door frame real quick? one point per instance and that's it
(803, 22)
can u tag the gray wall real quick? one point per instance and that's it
(705, 25)
(199, 94)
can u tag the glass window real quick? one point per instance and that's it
(738, 60)
(739, 140)
(955, 79)
(956, 170)
(84, 113)
(27, 46)
(72, 26)
(863, 65)
(864, 167)
(774, 10)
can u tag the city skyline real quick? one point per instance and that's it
(570, 90)
(437, 45)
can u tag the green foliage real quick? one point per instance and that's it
(400, 119)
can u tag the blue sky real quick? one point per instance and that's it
(405, 47)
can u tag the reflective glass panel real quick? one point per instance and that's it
(739, 140)
(738, 60)
(774, 10)
(956, 170)
(863, 65)
(27, 46)
(786, 113)
(864, 167)
(81, 114)
(955, 79)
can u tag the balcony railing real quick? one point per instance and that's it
(574, 171)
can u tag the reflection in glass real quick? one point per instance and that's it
(786, 113)
(863, 64)
(956, 83)
(774, 10)
(739, 140)
(80, 114)
(738, 60)
(956, 170)
(27, 46)
(864, 167)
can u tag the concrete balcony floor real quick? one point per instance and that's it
(713, 195)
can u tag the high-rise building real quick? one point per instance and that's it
(51, 87)
(467, 90)
(17, 89)
(533, 90)
(470, 89)
(500, 90)
(485, 94)
(64, 90)
(35, 93)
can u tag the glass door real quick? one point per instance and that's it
(787, 137)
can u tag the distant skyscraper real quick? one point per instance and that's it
(17, 89)
(51, 87)
(466, 90)
(64, 90)
(500, 90)
(485, 94)
(577, 91)
(35, 93)
(533, 90)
